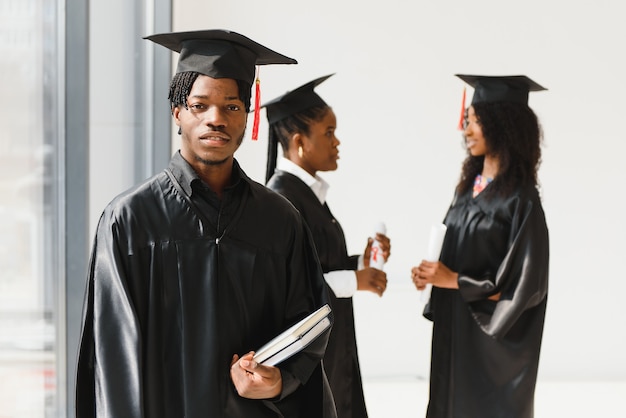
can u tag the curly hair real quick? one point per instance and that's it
(281, 132)
(181, 84)
(514, 136)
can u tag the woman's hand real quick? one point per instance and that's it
(371, 279)
(253, 380)
(435, 273)
(385, 244)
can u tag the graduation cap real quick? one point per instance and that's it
(290, 103)
(295, 101)
(221, 53)
(513, 88)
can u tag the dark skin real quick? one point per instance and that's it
(318, 151)
(212, 128)
(435, 272)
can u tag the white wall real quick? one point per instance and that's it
(398, 103)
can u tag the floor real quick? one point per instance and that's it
(394, 353)
(407, 398)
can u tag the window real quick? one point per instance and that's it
(28, 209)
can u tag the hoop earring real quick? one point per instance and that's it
(300, 152)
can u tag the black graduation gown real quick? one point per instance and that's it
(485, 354)
(172, 294)
(341, 360)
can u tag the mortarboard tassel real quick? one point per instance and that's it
(257, 107)
(462, 118)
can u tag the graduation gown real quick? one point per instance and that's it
(177, 285)
(341, 360)
(485, 354)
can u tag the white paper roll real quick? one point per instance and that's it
(377, 260)
(435, 241)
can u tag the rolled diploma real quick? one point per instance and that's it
(435, 241)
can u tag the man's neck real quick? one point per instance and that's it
(216, 176)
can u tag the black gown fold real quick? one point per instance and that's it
(485, 354)
(341, 360)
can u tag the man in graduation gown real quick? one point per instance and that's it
(199, 265)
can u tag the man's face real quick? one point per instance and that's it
(213, 125)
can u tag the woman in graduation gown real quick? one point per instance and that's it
(305, 127)
(490, 285)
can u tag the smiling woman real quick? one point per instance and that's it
(490, 286)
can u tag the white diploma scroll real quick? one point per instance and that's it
(435, 241)
(377, 260)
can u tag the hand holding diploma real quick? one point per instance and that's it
(376, 253)
(435, 242)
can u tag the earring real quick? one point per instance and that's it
(179, 131)
(300, 152)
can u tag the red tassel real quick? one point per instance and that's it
(462, 118)
(257, 108)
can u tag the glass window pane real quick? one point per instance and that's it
(28, 189)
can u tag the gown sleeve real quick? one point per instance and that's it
(108, 316)
(521, 278)
(304, 263)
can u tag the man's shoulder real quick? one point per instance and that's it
(271, 199)
(261, 191)
(139, 196)
(142, 190)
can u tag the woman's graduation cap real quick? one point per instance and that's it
(290, 103)
(220, 53)
(513, 88)
(295, 101)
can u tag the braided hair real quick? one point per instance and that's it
(181, 84)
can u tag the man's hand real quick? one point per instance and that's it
(253, 380)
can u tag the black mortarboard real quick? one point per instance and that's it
(219, 53)
(513, 88)
(295, 101)
(290, 103)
